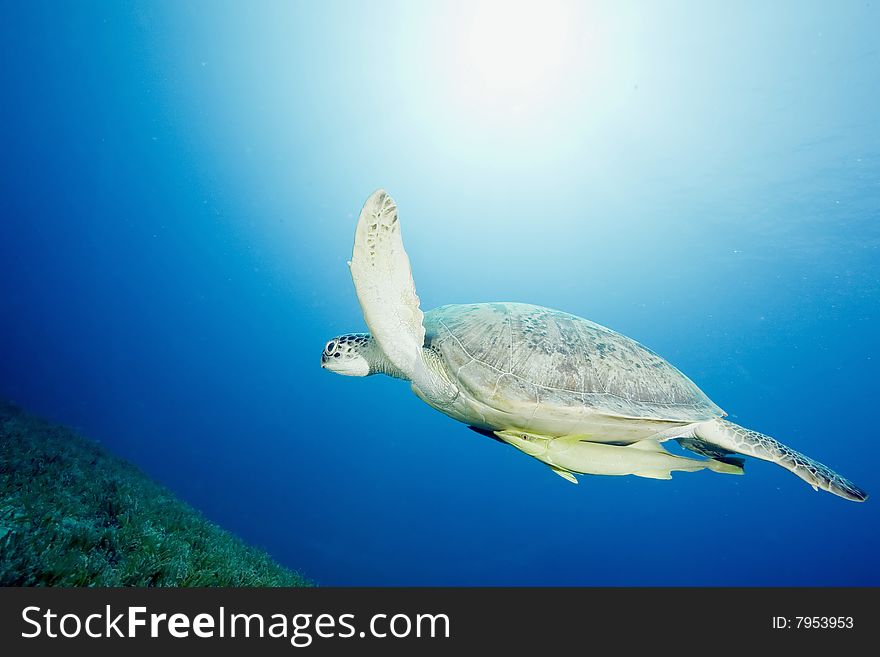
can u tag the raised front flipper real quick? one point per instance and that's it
(732, 437)
(386, 292)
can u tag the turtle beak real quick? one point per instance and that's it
(323, 360)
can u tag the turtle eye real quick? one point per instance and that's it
(330, 346)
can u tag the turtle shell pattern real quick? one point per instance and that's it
(530, 360)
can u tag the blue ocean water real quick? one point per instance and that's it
(181, 182)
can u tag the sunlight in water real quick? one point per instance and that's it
(511, 54)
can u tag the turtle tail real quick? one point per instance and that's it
(734, 438)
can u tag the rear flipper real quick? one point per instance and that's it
(731, 437)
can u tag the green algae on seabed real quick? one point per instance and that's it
(71, 514)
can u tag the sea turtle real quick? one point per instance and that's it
(573, 394)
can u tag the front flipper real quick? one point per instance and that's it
(732, 437)
(386, 292)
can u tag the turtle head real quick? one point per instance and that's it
(349, 354)
(357, 354)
